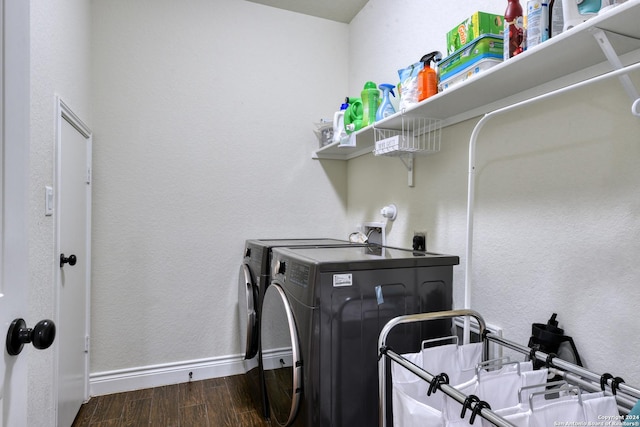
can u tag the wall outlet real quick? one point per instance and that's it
(419, 241)
(374, 232)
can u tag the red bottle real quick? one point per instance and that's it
(513, 29)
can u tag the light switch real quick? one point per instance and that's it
(48, 201)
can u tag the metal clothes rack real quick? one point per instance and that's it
(625, 395)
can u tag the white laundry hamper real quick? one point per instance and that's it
(412, 407)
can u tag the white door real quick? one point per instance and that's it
(73, 219)
(14, 173)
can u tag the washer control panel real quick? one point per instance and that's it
(298, 274)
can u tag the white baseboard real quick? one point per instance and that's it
(118, 381)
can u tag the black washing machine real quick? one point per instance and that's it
(321, 318)
(253, 280)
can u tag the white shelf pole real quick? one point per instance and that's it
(472, 165)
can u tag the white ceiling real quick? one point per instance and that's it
(335, 10)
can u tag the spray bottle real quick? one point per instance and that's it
(386, 108)
(428, 78)
(370, 100)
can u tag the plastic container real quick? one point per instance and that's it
(386, 107)
(488, 46)
(577, 11)
(370, 101)
(468, 72)
(537, 22)
(324, 132)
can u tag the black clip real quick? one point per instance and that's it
(476, 410)
(603, 380)
(383, 350)
(549, 361)
(532, 352)
(436, 381)
(615, 384)
(485, 333)
(467, 404)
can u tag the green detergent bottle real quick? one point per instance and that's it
(370, 101)
(353, 116)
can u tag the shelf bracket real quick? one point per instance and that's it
(614, 60)
(409, 165)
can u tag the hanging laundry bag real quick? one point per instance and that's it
(499, 388)
(411, 405)
(588, 409)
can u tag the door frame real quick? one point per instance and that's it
(63, 112)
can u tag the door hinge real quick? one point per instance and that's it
(88, 175)
(86, 344)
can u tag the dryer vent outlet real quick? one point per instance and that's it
(374, 232)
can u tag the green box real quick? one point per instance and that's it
(473, 27)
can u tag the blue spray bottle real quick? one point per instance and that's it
(386, 108)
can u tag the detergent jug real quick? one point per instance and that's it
(578, 11)
(339, 131)
(353, 116)
(370, 100)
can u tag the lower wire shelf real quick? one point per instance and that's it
(418, 135)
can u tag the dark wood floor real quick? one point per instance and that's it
(218, 402)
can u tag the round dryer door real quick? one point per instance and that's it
(281, 358)
(248, 312)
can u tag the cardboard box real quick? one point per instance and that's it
(473, 27)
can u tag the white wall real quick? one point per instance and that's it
(557, 225)
(203, 118)
(60, 50)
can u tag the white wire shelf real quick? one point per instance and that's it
(417, 136)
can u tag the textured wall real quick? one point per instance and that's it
(203, 117)
(60, 52)
(557, 226)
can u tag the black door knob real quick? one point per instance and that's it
(71, 260)
(42, 335)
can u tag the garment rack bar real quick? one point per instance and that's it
(624, 401)
(560, 364)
